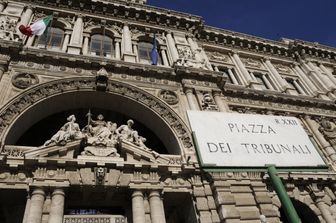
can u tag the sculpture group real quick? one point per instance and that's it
(101, 137)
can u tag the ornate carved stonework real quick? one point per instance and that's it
(282, 68)
(208, 103)
(218, 56)
(41, 92)
(329, 131)
(169, 96)
(252, 62)
(24, 80)
(7, 28)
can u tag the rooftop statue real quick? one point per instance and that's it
(101, 137)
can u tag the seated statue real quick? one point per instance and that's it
(69, 131)
(125, 131)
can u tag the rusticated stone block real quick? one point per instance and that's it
(249, 213)
(207, 190)
(215, 216)
(199, 192)
(202, 204)
(205, 217)
(211, 203)
(228, 212)
(244, 199)
(241, 189)
(225, 198)
(263, 199)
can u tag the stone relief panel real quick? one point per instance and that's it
(282, 68)
(24, 80)
(208, 103)
(249, 62)
(219, 57)
(168, 96)
(188, 58)
(328, 129)
(7, 28)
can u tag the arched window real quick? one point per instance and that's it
(144, 53)
(101, 45)
(53, 38)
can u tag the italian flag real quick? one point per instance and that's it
(37, 28)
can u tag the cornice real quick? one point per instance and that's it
(128, 12)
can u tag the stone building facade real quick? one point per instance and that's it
(61, 161)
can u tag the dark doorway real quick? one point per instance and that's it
(305, 213)
(12, 205)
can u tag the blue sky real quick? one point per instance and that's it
(310, 20)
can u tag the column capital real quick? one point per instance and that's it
(58, 191)
(188, 90)
(216, 93)
(154, 193)
(137, 193)
(38, 191)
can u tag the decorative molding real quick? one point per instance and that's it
(40, 92)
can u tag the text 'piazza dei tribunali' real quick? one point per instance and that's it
(115, 111)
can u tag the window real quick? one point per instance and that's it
(231, 75)
(101, 45)
(144, 53)
(297, 86)
(264, 80)
(53, 38)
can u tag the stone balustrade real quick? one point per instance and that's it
(94, 218)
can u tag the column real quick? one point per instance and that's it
(66, 41)
(191, 99)
(314, 77)
(323, 207)
(85, 49)
(320, 77)
(135, 51)
(281, 82)
(77, 32)
(330, 75)
(155, 202)
(127, 40)
(2, 6)
(117, 49)
(127, 48)
(138, 209)
(329, 150)
(57, 206)
(298, 87)
(25, 17)
(232, 76)
(76, 36)
(2, 70)
(222, 106)
(30, 41)
(164, 57)
(25, 216)
(242, 68)
(172, 47)
(311, 86)
(36, 206)
(267, 83)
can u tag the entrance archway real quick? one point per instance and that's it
(49, 98)
(304, 212)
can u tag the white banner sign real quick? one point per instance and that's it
(244, 140)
